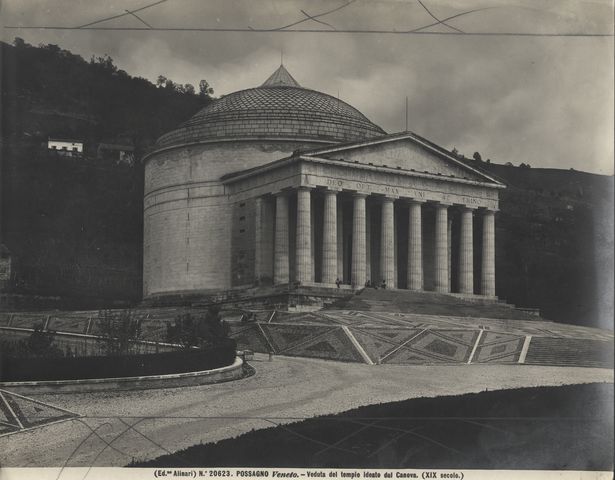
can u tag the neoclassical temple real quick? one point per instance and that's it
(280, 184)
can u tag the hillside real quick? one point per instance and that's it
(48, 92)
(554, 247)
(73, 225)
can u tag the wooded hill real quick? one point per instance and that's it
(74, 226)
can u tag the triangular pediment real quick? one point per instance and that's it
(405, 151)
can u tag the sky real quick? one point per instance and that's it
(542, 100)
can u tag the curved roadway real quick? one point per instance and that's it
(117, 427)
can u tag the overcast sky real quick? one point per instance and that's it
(546, 101)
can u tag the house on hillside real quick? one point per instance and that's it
(68, 147)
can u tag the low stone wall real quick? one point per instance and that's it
(205, 377)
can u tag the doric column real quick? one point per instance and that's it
(449, 252)
(267, 236)
(387, 256)
(312, 239)
(258, 238)
(280, 254)
(441, 260)
(303, 259)
(340, 240)
(415, 247)
(358, 241)
(329, 238)
(466, 252)
(395, 249)
(487, 283)
(368, 243)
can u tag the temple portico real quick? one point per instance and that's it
(359, 223)
(372, 245)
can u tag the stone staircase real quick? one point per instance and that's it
(570, 352)
(430, 303)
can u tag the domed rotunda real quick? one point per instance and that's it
(276, 185)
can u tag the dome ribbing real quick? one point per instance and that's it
(279, 109)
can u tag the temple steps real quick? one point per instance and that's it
(431, 303)
(569, 351)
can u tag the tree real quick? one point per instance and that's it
(204, 89)
(188, 88)
(105, 62)
(477, 157)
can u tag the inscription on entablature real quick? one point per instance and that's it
(367, 187)
(456, 196)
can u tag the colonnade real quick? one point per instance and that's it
(332, 250)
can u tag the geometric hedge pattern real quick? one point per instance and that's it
(405, 339)
(500, 347)
(372, 336)
(19, 413)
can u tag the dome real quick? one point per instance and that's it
(279, 109)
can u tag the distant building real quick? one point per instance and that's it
(67, 147)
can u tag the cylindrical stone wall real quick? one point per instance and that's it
(188, 219)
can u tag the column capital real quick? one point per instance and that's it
(443, 204)
(305, 187)
(360, 195)
(334, 190)
(489, 211)
(388, 198)
(418, 201)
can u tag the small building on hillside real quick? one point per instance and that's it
(65, 146)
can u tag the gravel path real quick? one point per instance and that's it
(284, 390)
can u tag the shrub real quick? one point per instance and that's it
(199, 331)
(119, 330)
